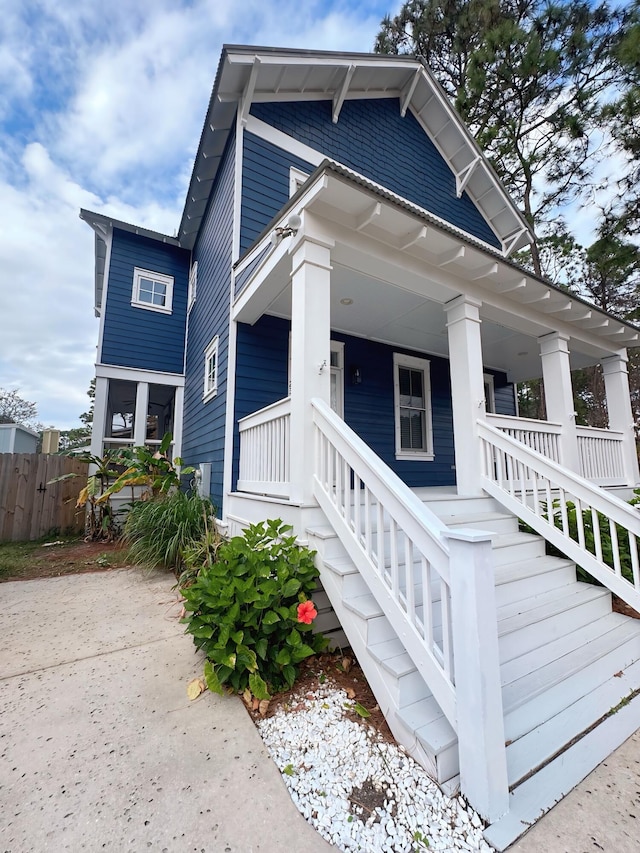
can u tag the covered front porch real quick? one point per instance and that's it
(414, 334)
(377, 352)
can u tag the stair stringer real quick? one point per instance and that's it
(384, 685)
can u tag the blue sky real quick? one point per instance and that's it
(102, 107)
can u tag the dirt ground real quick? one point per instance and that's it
(56, 558)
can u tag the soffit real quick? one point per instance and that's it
(246, 74)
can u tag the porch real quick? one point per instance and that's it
(472, 637)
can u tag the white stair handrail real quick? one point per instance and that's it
(527, 484)
(418, 569)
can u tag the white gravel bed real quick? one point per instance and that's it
(358, 791)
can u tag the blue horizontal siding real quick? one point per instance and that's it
(265, 185)
(372, 138)
(261, 379)
(136, 337)
(204, 422)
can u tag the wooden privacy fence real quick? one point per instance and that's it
(29, 507)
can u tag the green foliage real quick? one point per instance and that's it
(101, 524)
(243, 611)
(161, 530)
(152, 469)
(528, 79)
(200, 554)
(604, 529)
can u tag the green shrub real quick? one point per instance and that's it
(159, 531)
(246, 610)
(624, 544)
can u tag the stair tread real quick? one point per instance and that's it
(365, 606)
(530, 800)
(515, 615)
(534, 682)
(392, 655)
(544, 741)
(472, 518)
(341, 565)
(506, 540)
(576, 686)
(519, 570)
(322, 531)
(579, 638)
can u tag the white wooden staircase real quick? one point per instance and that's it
(566, 660)
(495, 668)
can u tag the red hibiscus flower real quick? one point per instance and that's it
(307, 612)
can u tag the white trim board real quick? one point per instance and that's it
(134, 374)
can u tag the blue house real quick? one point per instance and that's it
(334, 337)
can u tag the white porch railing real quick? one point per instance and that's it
(601, 455)
(265, 451)
(541, 436)
(436, 588)
(568, 510)
(600, 451)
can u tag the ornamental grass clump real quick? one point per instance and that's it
(250, 611)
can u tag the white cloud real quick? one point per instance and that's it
(102, 107)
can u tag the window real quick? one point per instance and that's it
(193, 281)
(489, 393)
(296, 180)
(211, 370)
(412, 397)
(152, 290)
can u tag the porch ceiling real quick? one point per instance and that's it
(394, 266)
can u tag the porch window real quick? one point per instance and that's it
(211, 370)
(152, 290)
(412, 397)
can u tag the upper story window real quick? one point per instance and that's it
(152, 290)
(211, 370)
(412, 397)
(193, 282)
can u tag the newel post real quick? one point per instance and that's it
(481, 740)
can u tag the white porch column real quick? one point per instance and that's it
(99, 416)
(558, 394)
(616, 383)
(310, 355)
(467, 389)
(142, 411)
(178, 406)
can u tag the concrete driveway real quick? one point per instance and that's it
(100, 749)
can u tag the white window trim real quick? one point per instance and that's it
(296, 179)
(400, 360)
(167, 280)
(193, 284)
(490, 392)
(210, 391)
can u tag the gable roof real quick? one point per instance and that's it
(103, 226)
(247, 74)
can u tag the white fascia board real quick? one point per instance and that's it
(103, 295)
(363, 60)
(134, 374)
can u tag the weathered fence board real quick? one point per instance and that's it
(30, 507)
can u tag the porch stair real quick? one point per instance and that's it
(566, 661)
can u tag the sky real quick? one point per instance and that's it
(101, 107)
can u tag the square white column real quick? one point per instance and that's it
(467, 390)
(142, 411)
(99, 425)
(616, 383)
(558, 394)
(310, 356)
